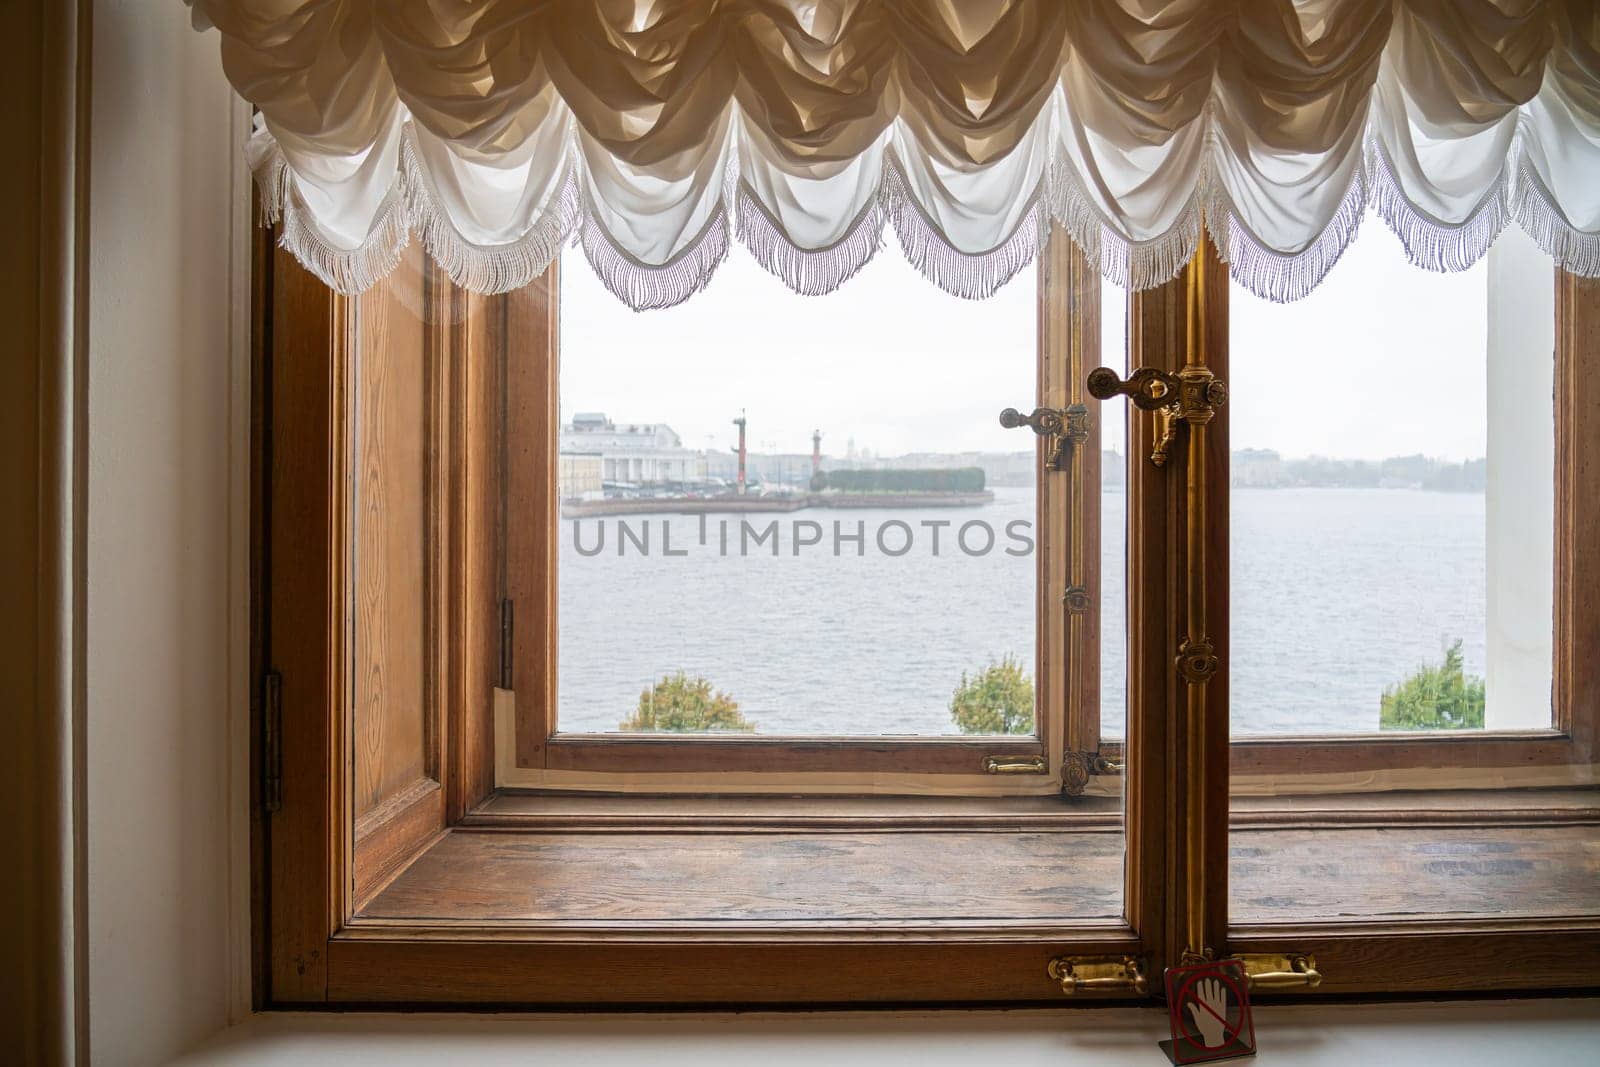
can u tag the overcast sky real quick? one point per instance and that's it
(1370, 365)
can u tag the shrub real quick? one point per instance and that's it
(998, 700)
(1441, 697)
(682, 705)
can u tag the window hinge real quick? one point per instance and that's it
(271, 741)
(505, 643)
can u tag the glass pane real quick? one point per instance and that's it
(1113, 519)
(1392, 525)
(1392, 497)
(796, 515)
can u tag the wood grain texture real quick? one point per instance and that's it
(1370, 958)
(746, 877)
(1155, 339)
(1503, 808)
(405, 500)
(705, 972)
(1403, 872)
(564, 812)
(1055, 519)
(391, 835)
(1069, 344)
(354, 407)
(478, 366)
(532, 422)
(632, 813)
(395, 536)
(261, 285)
(304, 575)
(693, 919)
(1577, 555)
(709, 755)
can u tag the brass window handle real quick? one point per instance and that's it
(1062, 427)
(1015, 765)
(1293, 970)
(1149, 389)
(1099, 974)
(1191, 395)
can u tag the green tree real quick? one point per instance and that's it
(1441, 697)
(682, 705)
(998, 700)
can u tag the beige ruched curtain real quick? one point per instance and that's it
(654, 132)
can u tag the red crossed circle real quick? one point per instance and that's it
(1185, 998)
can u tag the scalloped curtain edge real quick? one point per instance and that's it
(411, 207)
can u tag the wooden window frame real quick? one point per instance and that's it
(319, 864)
(316, 864)
(1445, 760)
(1067, 516)
(1359, 956)
(1564, 753)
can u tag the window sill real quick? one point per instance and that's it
(1467, 1034)
(534, 860)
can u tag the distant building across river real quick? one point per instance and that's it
(629, 454)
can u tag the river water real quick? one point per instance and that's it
(1336, 594)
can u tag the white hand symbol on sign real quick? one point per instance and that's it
(1211, 1013)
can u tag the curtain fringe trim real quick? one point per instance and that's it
(969, 275)
(344, 270)
(1133, 265)
(1533, 208)
(1430, 243)
(646, 287)
(808, 271)
(488, 269)
(1273, 275)
(412, 207)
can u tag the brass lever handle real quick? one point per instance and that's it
(1148, 388)
(1294, 970)
(1192, 395)
(1043, 421)
(1061, 426)
(1099, 974)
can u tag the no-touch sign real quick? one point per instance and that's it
(1209, 1006)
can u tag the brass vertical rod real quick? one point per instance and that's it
(1196, 641)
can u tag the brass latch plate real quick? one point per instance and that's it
(1099, 974)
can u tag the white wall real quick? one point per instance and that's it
(163, 434)
(1520, 501)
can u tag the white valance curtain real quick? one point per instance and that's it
(653, 132)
